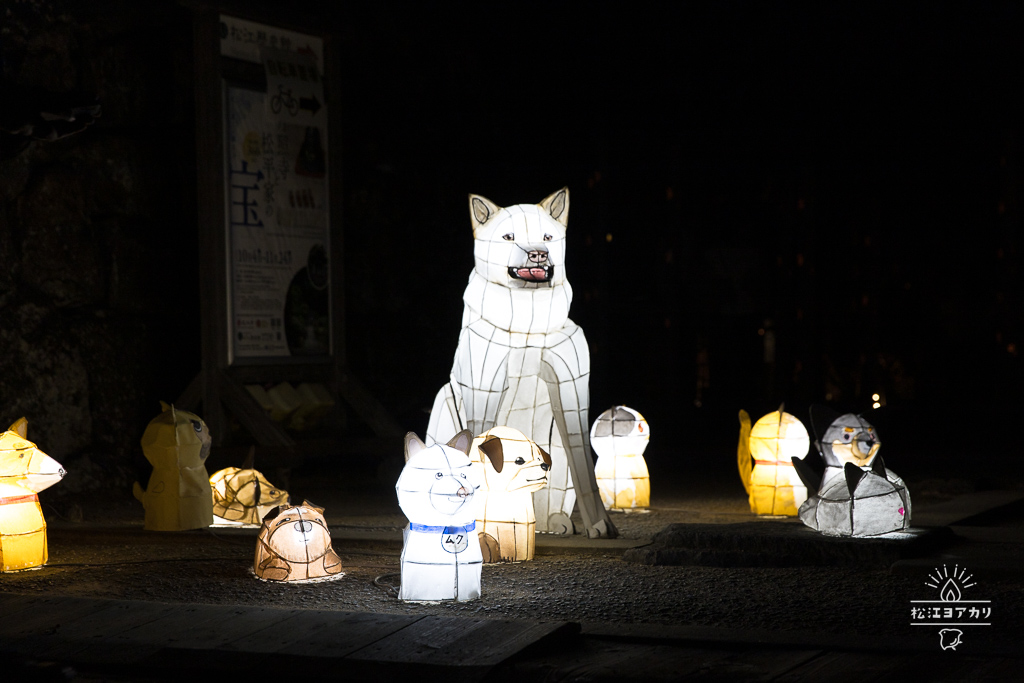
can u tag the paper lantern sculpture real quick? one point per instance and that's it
(176, 443)
(521, 362)
(619, 437)
(294, 545)
(23, 464)
(24, 471)
(765, 455)
(441, 557)
(860, 502)
(513, 468)
(847, 503)
(22, 529)
(243, 496)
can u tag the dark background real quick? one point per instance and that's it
(844, 177)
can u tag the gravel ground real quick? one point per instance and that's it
(109, 555)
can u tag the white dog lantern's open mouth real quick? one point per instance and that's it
(532, 273)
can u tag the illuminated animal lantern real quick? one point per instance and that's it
(765, 454)
(176, 443)
(441, 556)
(856, 494)
(295, 545)
(23, 464)
(243, 496)
(520, 361)
(619, 437)
(513, 468)
(24, 471)
(22, 529)
(859, 502)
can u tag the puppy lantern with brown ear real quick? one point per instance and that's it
(514, 467)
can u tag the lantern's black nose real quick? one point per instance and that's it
(303, 526)
(544, 466)
(538, 256)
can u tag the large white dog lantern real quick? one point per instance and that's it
(765, 457)
(513, 468)
(619, 437)
(437, 489)
(521, 362)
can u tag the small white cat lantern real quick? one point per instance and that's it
(513, 468)
(294, 545)
(441, 558)
(24, 471)
(243, 496)
(765, 456)
(856, 494)
(176, 443)
(619, 436)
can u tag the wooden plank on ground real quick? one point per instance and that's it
(455, 642)
(46, 617)
(324, 634)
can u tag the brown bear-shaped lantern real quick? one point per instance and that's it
(295, 545)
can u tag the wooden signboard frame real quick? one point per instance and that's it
(220, 386)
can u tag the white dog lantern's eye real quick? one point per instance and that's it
(766, 463)
(508, 237)
(438, 475)
(547, 237)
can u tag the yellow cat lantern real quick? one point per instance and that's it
(764, 454)
(176, 443)
(243, 496)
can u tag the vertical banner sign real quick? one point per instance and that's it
(276, 196)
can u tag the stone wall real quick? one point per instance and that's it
(98, 289)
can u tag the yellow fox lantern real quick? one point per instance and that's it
(764, 454)
(24, 471)
(176, 443)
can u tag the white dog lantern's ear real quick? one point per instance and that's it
(413, 445)
(557, 206)
(462, 441)
(481, 210)
(619, 436)
(22, 529)
(774, 485)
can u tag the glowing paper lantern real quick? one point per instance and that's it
(861, 502)
(243, 496)
(521, 362)
(856, 494)
(619, 437)
(176, 443)
(513, 468)
(294, 545)
(765, 454)
(22, 529)
(441, 557)
(24, 471)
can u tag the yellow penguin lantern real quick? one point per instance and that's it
(764, 455)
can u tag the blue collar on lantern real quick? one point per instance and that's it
(425, 529)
